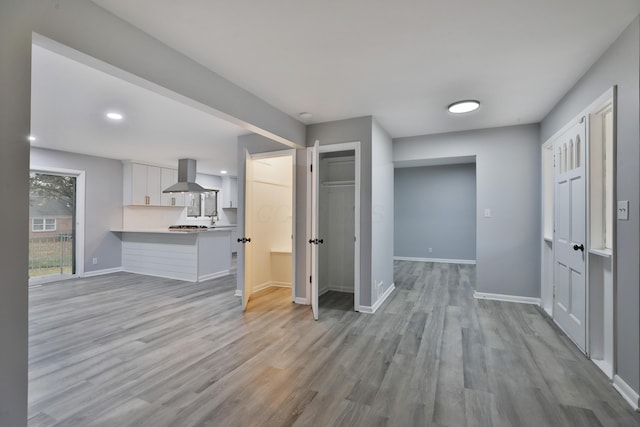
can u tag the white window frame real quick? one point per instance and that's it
(44, 228)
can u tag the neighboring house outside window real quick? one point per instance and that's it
(43, 224)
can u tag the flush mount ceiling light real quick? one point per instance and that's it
(465, 106)
(223, 172)
(31, 138)
(114, 116)
(305, 116)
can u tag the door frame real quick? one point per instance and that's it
(329, 148)
(267, 155)
(610, 95)
(80, 176)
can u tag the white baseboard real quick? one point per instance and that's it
(238, 293)
(101, 272)
(506, 298)
(281, 284)
(261, 286)
(604, 367)
(440, 260)
(627, 392)
(214, 275)
(301, 300)
(266, 285)
(372, 309)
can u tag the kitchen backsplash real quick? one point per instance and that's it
(135, 217)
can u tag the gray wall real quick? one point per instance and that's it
(103, 203)
(436, 208)
(508, 182)
(382, 202)
(350, 130)
(15, 95)
(619, 65)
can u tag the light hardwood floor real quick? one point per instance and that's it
(128, 350)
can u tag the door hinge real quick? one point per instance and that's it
(311, 168)
(309, 279)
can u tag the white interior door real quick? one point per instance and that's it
(315, 195)
(569, 243)
(248, 228)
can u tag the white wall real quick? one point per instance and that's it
(508, 183)
(619, 65)
(103, 203)
(382, 209)
(271, 215)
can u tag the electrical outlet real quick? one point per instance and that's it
(430, 250)
(95, 261)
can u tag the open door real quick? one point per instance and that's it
(248, 223)
(569, 242)
(313, 241)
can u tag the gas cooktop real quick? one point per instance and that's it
(188, 228)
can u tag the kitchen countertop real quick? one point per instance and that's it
(167, 231)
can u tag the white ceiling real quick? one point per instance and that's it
(69, 102)
(401, 61)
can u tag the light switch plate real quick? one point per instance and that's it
(487, 212)
(623, 210)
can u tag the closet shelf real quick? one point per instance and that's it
(337, 183)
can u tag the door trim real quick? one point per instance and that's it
(294, 162)
(609, 95)
(80, 176)
(345, 146)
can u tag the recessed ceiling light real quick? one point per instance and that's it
(31, 138)
(223, 172)
(115, 116)
(464, 106)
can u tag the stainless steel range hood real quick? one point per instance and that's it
(186, 179)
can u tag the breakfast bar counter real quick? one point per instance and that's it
(190, 255)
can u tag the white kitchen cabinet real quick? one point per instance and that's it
(229, 192)
(143, 185)
(168, 177)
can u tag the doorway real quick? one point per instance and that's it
(267, 256)
(578, 241)
(56, 200)
(334, 202)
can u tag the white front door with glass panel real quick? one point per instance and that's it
(569, 242)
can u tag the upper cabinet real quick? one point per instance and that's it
(143, 185)
(168, 177)
(229, 192)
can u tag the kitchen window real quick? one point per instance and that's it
(202, 205)
(43, 224)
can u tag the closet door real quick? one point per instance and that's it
(313, 242)
(570, 234)
(247, 268)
